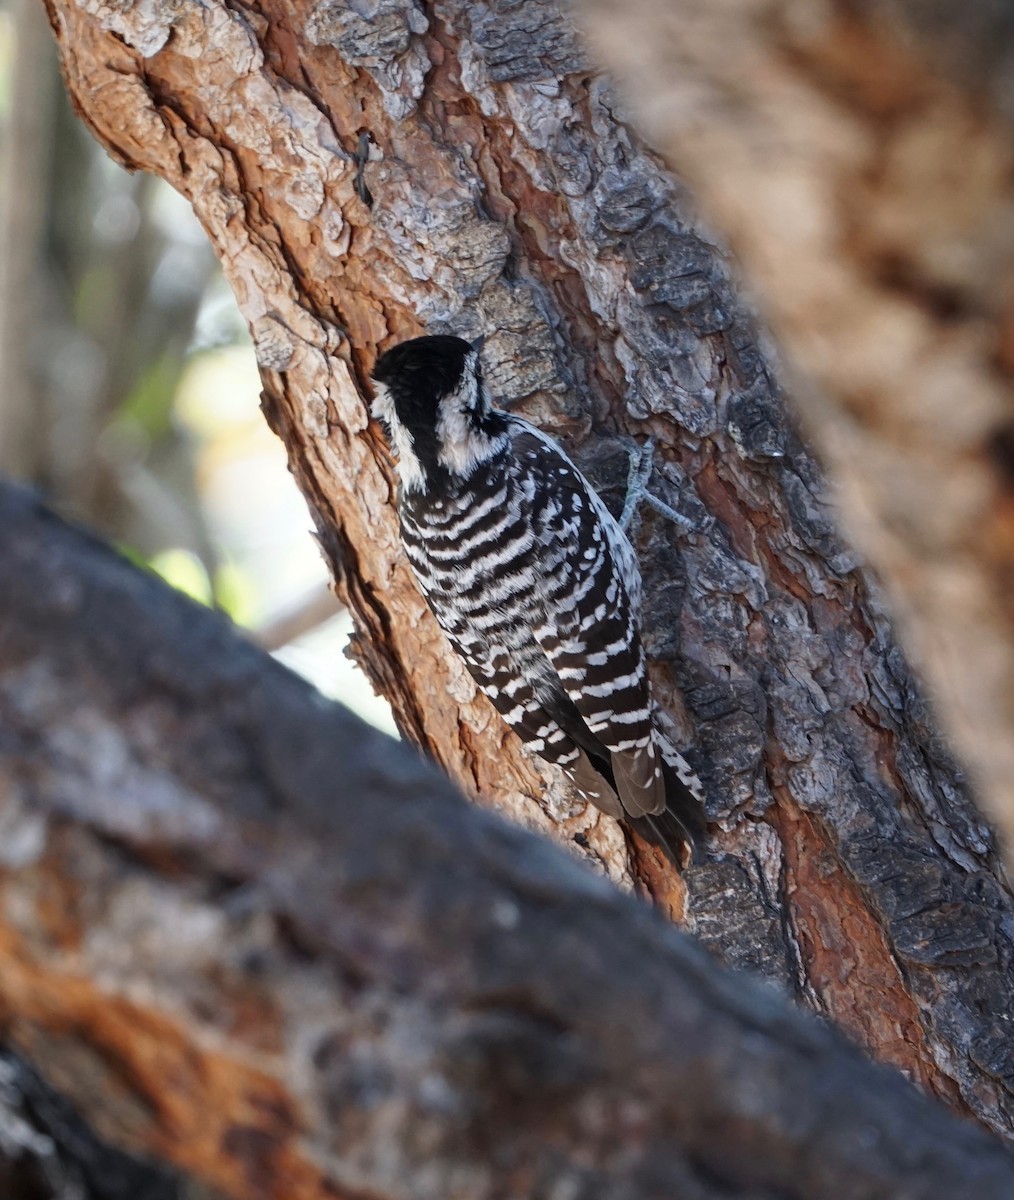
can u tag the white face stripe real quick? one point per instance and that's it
(462, 446)
(410, 470)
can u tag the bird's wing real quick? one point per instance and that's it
(588, 628)
(511, 691)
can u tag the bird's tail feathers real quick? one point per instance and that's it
(667, 831)
(680, 830)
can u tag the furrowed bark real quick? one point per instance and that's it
(502, 194)
(857, 156)
(247, 934)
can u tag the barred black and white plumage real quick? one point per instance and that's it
(533, 581)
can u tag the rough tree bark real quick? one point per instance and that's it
(857, 155)
(502, 193)
(244, 932)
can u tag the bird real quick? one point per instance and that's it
(534, 583)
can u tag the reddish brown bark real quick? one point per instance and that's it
(508, 197)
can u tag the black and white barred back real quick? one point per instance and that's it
(532, 580)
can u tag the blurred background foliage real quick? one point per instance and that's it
(130, 393)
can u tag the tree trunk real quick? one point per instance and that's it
(857, 155)
(502, 194)
(244, 932)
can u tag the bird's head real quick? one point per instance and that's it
(435, 410)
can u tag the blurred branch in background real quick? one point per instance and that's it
(130, 387)
(104, 284)
(306, 969)
(27, 100)
(309, 612)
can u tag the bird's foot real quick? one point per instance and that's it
(641, 464)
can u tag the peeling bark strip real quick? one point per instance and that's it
(507, 197)
(248, 934)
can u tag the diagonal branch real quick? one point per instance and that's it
(250, 935)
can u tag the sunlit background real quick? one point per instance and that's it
(130, 394)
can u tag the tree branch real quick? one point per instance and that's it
(249, 934)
